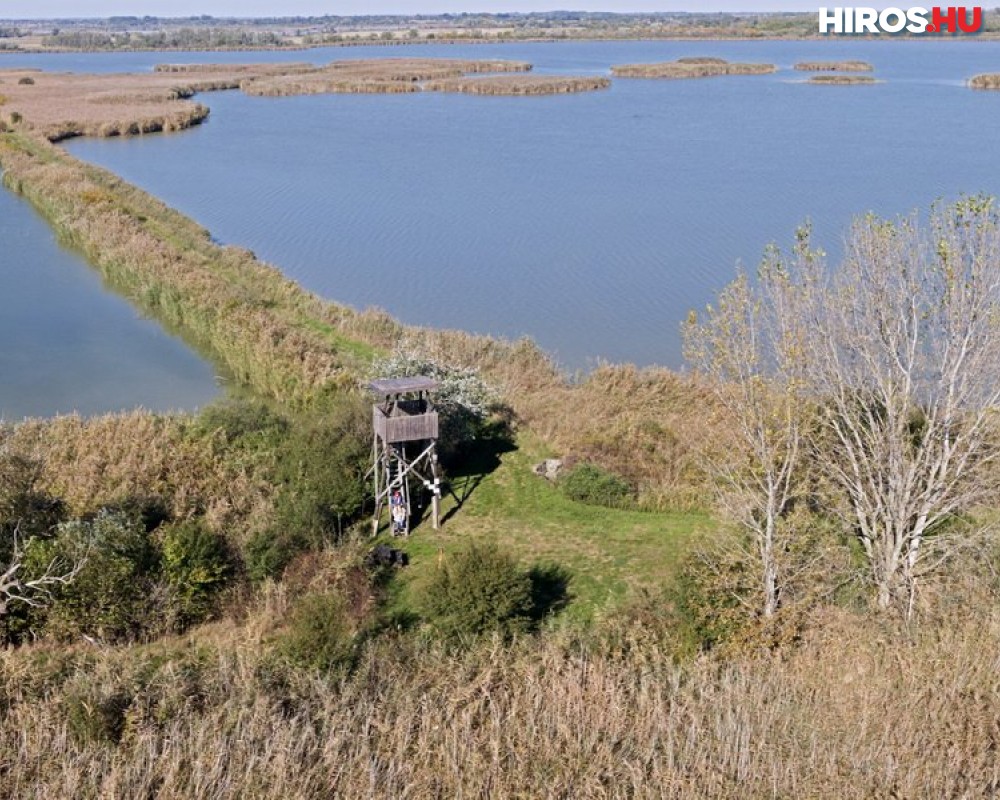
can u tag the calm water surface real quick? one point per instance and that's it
(68, 344)
(590, 222)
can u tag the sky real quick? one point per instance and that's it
(36, 9)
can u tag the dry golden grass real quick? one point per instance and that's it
(519, 85)
(834, 66)
(701, 60)
(394, 76)
(847, 714)
(61, 105)
(98, 461)
(841, 80)
(690, 68)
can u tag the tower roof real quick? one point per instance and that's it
(417, 383)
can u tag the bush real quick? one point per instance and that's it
(478, 590)
(23, 505)
(588, 483)
(196, 565)
(96, 717)
(241, 419)
(26, 81)
(112, 596)
(320, 472)
(268, 553)
(319, 634)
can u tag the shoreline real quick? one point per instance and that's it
(284, 343)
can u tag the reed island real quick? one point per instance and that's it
(693, 67)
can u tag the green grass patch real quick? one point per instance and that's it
(608, 552)
(360, 351)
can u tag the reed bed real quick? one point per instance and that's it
(384, 76)
(323, 84)
(847, 714)
(238, 69)
(842, 80)
(690, 68)
(99, 461)
(990, 80)
(518, 85)
(701, 60)
(834, 66)
(59, 106)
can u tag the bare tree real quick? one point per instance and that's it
(898, 351)
(745, 345)
(35, 591)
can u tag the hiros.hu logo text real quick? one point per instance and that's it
(938, 19)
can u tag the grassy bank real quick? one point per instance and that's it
(264, 329)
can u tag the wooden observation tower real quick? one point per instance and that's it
(404, 452)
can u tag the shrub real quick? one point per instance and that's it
(268, 553)
(95, 717)
(24, 506)
(26, 81)
(588, 483)
(319, 634)
(15, 117)
(241, 419)
(477, 590)
(321, 472)
(196, 565)
(111, 598)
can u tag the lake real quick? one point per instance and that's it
(592, 223)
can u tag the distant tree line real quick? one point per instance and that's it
(191, 38)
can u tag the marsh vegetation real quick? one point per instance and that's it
(842, 80)
(518, 85)
(690, 68)
(989, 80)
(834, 66)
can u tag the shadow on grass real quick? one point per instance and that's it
(467, 470)
(549, 590)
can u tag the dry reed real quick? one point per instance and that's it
(699, 68)
(990, 80)
(848, 714)
(517, 85)
(98, 461)
(834, 66)
(842, 80)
